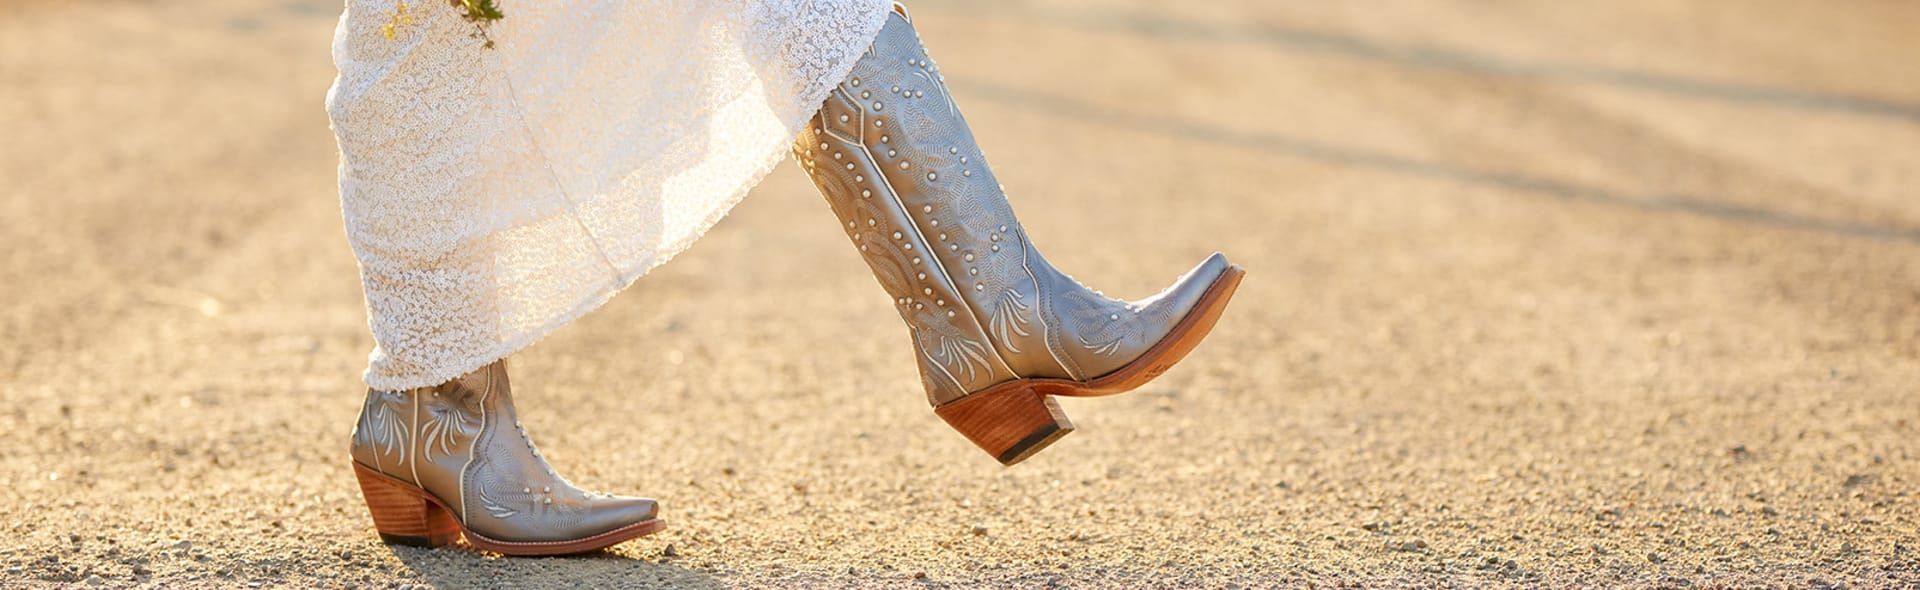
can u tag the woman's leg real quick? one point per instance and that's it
(996, 328)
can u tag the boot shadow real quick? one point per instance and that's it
(460, 567)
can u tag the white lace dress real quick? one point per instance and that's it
(494, 194)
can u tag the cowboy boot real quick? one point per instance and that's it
(436, 463)
(997, 330)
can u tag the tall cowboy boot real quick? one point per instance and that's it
(996, 328)
(438, 462)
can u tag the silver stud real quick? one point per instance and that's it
(1113, 316)
(919, 306)
(928, 290)
(995, 247)
(973, 271)
(896, 235)
(526, 490)
(994, 237)
(823, 145)
(884, 139)
(843, 117)
(953, 150)
(943, 236)
(850, 225)
(933, 176)
(913, 62)
(549, 501)
(933, 222)
(876, 105)
(907, 247)
(923, 276)
(979, 286)
(870, 222)
(950, 313)
(926, 208)
(856, 81)
(836, 155)
(879, 123)
(863, 247)
(963, 159)
(916, 260)
(849, 165)
(1003, 228)
(546, 489)
(890, 153)
(865, 94)
(955, 247)
(859, 178)
(967, 173)
(896, 89)
(904, 165)
(969, 257)
(866, 193)
(940, 302)
(918, 93)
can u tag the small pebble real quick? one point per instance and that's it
(979, 531)
(95, 580)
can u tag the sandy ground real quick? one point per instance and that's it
(1583, 294)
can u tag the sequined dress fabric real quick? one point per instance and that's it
(495, 194)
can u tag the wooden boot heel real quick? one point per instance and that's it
(1010, 421)
(403, 514)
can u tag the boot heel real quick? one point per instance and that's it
(1010, 421)
(403, 514)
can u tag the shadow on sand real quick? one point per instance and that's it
(461, 567)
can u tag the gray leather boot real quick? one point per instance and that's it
(438, 462)
(995, 327)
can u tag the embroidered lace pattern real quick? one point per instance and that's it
(493, 195)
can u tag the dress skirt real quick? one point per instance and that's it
(493, 194)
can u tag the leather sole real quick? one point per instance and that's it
(405, 514)
(1016, 419)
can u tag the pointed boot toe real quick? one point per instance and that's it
(1168, 326)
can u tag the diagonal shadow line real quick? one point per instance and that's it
(1358, 158)
(1439, 58)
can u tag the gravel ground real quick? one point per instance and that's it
(1568, 294)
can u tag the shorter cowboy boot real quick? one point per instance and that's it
(996, 329)
(436, 463)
